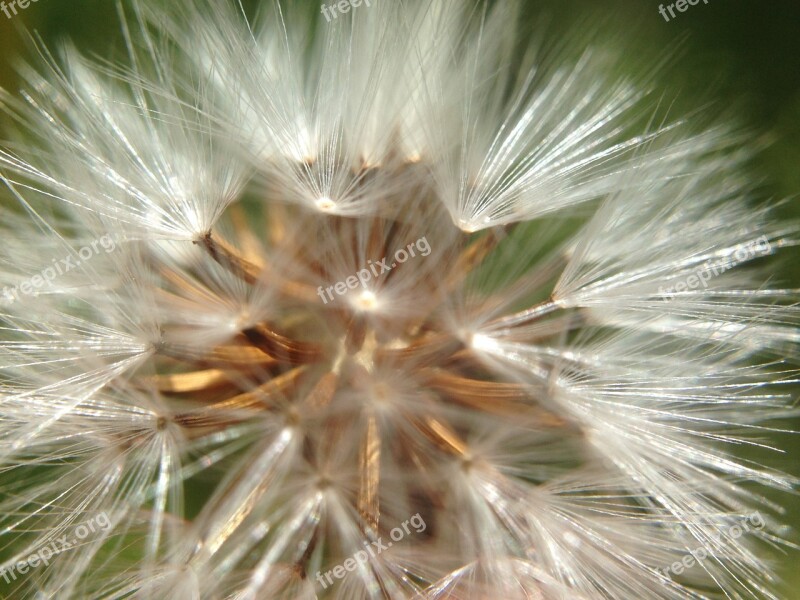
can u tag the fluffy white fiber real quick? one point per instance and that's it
(555, 386)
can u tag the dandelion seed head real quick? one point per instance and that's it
(380, 279)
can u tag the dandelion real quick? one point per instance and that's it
(522, 390)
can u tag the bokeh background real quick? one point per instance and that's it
(727, 56)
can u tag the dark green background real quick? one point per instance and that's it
(728, 54)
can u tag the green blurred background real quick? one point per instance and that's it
(728, 54)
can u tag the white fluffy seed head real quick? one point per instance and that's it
(385, 282)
